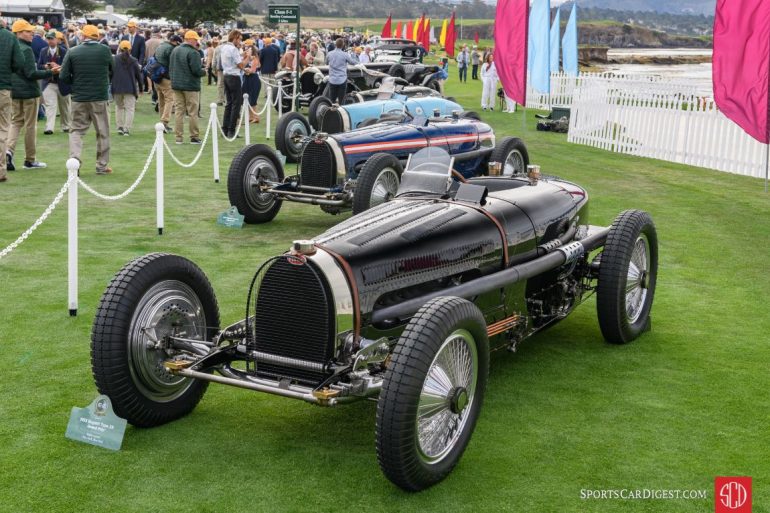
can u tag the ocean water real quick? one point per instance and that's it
(698, 74)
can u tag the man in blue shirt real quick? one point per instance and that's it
(338, 61)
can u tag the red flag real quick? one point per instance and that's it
(476, 37)
(741, 63)
(397, 32)
(420, 27)
(449, 43)
(426, 35)
(386, 30)
(511, 25)
(409, 29)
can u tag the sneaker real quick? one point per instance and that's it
(179, 141)
(105, 171)
(120, 130)
(195, 140)
(9, 161)
(34, 165)
(125, 132)
(66, 130)
(48, 132)
(167, 129)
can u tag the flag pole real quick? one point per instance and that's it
(767, 164)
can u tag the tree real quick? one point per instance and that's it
(188, 13)
(78, 7)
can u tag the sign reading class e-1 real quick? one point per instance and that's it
(283, 13)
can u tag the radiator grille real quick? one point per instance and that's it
(294, 317)
(331, 122)
(318, 165)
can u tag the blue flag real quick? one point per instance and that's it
(569, 44)
(555, 33)
(540, 43)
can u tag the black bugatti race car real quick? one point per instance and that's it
(361, 168)
(401, 304)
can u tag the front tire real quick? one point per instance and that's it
(628, 272)
(254, 162)
(512, 153)
(377, 182)
(291, 128)
(316, 109)
(150, 298)
(432, 393)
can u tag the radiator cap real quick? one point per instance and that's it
(303, 247)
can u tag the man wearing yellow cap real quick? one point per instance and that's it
(25, 95)
(11, 61)
(88, 69)
(55, 95)
(138, 44)
(186, 72)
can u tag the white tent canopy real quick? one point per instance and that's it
(31, 6)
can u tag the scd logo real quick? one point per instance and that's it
(732, 495)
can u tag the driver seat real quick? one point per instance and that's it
(387, 88)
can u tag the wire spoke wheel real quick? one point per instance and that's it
(514, 164)
(385, 187)
(448, 391)
(636, 282)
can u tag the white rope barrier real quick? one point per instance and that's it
(237, 131)
(159, 178)
(130, 189)
(200, 151)
(40, 220)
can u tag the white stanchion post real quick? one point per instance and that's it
(159, 179)
(73, 165)
(215, 140)
(246, 118)
(294, 95)
(280, 100)
(269, 108)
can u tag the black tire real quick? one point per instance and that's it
(375, 177)
(402, 457)
(169, 289)
(397, 70)
(433, 84)
(631, 244)
(368, 122)
(313, 113)
(514, 149)
(290, 126)
(450, 98)
(472, 114)
(249, 165)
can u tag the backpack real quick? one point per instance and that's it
(155, 70)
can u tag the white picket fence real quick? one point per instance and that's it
(652, 116)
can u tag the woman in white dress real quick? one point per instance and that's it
(488, 83)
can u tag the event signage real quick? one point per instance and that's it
(97, 424)
(283, 13)
(231, 218)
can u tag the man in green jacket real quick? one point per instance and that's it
(186, 72)
(25, 98)
(11, 61)
(163, 88)
(88, 68)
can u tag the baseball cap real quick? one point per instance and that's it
(51, 35)
(90, 31)
(131, 23)
(191, 34)
(124, 45)
(175, 39)
(249, 42)
(21, 26)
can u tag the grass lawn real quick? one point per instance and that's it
(568, 412)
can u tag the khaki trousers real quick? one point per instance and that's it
(125, 106)
(165, 100)
(186, 102)
(24, 117)
(54, 101)
(5, 126)
(220, 87)
(83, 114)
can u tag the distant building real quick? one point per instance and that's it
(37, 12)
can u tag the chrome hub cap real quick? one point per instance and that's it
(261, 168)
(638, 279)
(514, 164)
(168, 308)
(296, 131)
(385, 187)
(447, 397)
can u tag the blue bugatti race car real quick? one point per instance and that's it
(361, 168)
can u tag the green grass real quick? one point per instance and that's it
(685, 403)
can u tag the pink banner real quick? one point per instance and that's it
(511, 23)
(742, 63)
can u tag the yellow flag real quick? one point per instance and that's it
(442, 37)
(416, 29)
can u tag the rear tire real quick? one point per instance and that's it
(314, 113)
(628, 273)
(426, 413)
(397, 70)
(289, 128)
(377, 182)
(249, 165)
(470, 114)
(512, 153)
(155, 294)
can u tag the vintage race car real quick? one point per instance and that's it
(361, 77)
(359, 168)
(401, 304)
(391, 92)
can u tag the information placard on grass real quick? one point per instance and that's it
(97, 424)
